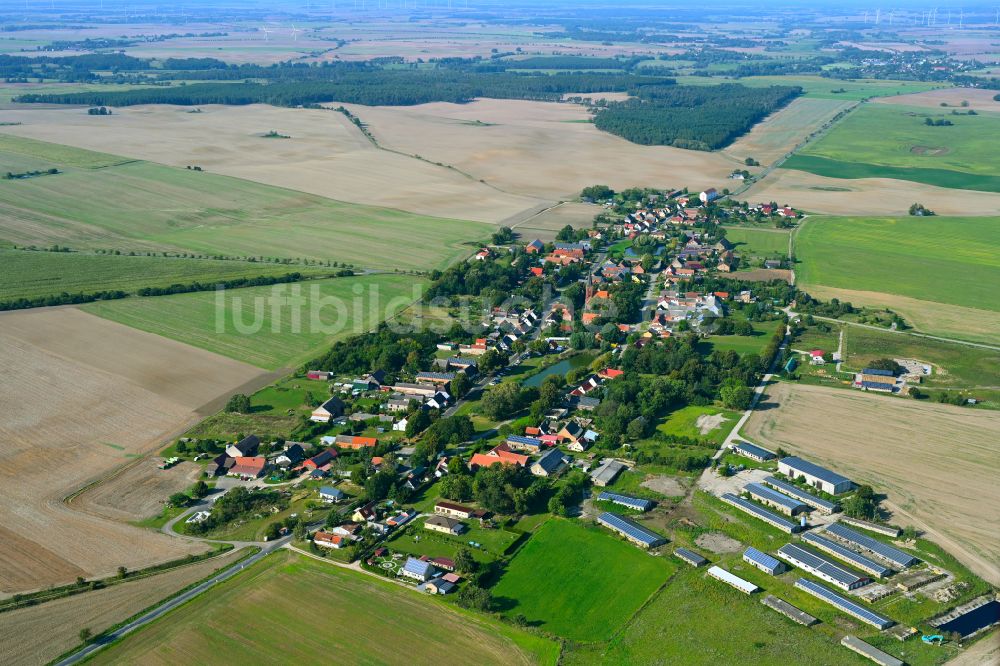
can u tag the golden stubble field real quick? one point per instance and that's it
(935, 462)
(866, 196)
(978, 99)
(81, 397)
(489, 160)
(784, 129)
(38, 634)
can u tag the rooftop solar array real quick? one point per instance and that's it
(813, 469)
(848, 555)
(763, 492)
(735, 581)
(817, 564)
(762, 560)
(808, 498)
(630, 529)
(690, 556)
(631, 502)
(846, 605)
(760, 512)
(878, 386)
(754, 450)
(875, 371)
(894, 555)
(527, 441)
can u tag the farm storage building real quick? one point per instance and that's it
(691, 557)
(792, 490)
(854, 559)
(635, 533)
(760, 512)
(744, 586)
(753, 451)
(851, 608)
(821, 567)
(894, 555)
(870, 651)
(624, 500)
(772, 498)
(763, 561)
(816, 476)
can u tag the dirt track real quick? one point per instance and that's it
(935, 462)
(81, 397)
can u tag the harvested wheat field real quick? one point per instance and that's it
(39, 634)
(978, 99)
(541, 149)
(545, 224)
(866, 196)
(931, 317)
(81, 397)
(138, 491)
(325, 155)
(935, 462)
(784, 129)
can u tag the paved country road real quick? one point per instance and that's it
(171, 604)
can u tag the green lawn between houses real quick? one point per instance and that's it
(683, 422)
(281, 341)
(292, 609)
(110, 202)
(749, 242)
(578, 581)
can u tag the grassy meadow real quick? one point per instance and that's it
(579, 582)
(893, 141)
(945, 259)
(758, 242)
(683, 422)
(292, 609)
(103, 201)
(28, 274)
(742, 344)
(272, 337)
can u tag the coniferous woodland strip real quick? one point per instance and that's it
(692, 117)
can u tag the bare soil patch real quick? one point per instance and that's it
(81, 397)
(547, 223)
(935, 462)
(39, 634)
(706, 423)
(866, 196)
(665, 485)
(765, 275)
(930, 151)
(718, 543)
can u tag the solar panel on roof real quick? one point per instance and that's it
(633, 502)
(753, 449)
(762, 491)
(763, 559)
(819, 564)
(801, 494)
(888, 552)
(846, 554)
(875, 371)
(878, 385)
(690, 556)
(847, 605)
(630, 529)
(813, 469)
(760, 512)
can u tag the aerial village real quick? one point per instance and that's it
(434, 469)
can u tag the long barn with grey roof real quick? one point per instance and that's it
(846, 605)
(816, 476)
(631, 530)
(760, 512)
(885, 551)
(753, 451)
(824, 506)
(821, 567)
(854, 559)
(774, 499)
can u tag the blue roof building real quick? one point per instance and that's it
(417, 569)
(815, 476)
(636, 503)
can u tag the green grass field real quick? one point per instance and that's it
(742, 344)
(419, 541)
(683, 423)
(758, 242)
(28, 274)
(258, 325)
(98, 202)
(946, 259)
(579, 582)
(291, 609)
(892, 141)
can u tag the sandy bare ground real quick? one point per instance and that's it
(539, 149)
(81, 397)
(326, 154)
(665, 485)
(765, 274)
(707, 423)
(718, 543)
(139, 491)
(978, 99)
(866, 196)
(942, 319)
(780, 132)
(935, 462)
(39, 634)
(547, 223)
